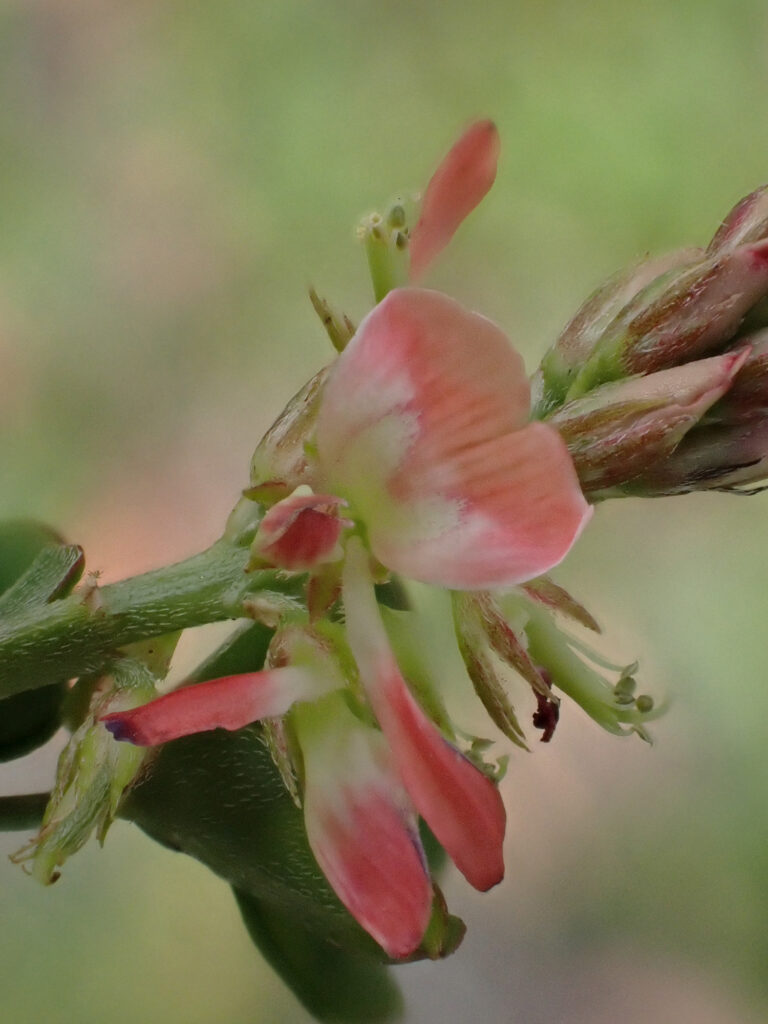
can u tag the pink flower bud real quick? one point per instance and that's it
(300, 532)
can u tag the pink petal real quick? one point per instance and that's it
(420, 429)
(457, 186)
(300, 532)
(461, 805)
(227, 703)
(518, 510)
(363, 831)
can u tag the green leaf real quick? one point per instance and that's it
(218, 797)
(29, 719)
(21, 540)
(336, 987)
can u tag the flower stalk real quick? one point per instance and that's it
(79, 634)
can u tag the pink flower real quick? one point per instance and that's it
(423, 437)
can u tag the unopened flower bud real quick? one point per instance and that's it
(562, 363)
(747, 222)
(300, 532)
(620, 431)
(281, 462)
(696, 314)
(728, 458)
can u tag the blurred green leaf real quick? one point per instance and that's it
(21, 540)
(218, 797)
(29, 719)
(335, 986)
(53, 574)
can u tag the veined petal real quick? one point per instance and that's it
(421, 428)
(513, 512)
(460, 804)
(457, 186)
(227, 703)
(362, 827)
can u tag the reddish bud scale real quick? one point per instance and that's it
(747, 222)
(510, 647)
(701, 314)
(473, 647)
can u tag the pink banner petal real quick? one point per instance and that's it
(517, 510)
(421, 429)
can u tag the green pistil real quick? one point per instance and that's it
(386, 246)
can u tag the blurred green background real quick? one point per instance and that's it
(173, 175)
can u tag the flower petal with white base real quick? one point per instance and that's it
(362, 827)
(423, 430)
(460, 804)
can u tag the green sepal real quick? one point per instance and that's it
(92, 773)
(335, 986)
(445, 931)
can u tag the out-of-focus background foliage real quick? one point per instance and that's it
(172, 177)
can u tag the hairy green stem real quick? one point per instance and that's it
(81, 633)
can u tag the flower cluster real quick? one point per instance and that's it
(413, 456)
(659, 383)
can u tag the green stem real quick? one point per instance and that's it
(81, 633)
